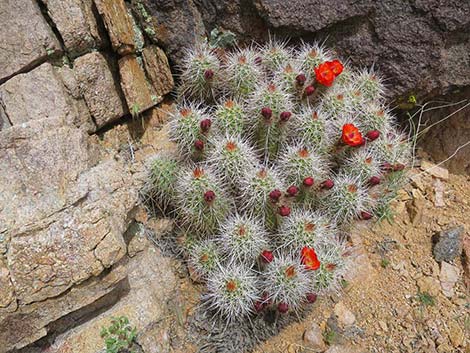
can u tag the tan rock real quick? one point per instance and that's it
(434, 170)
(449, 276)
(7, 292)
(119, 25)
(158, 69)
(429, 285)
(99, 88)
(76, 24)
(26, 38)
(344, 315)
(456, 334)
(313, 337)
(39, 94)
(139, 94)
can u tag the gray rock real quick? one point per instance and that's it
(26, 38)
(449, 244)
(76, 24)
(313, 337)
(99, 88)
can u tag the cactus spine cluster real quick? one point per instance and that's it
(281, 151)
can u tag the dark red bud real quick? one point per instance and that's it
(387, 167)
(283, 308)
(327, 184)
(311, 298)
(397, 167)
(309, 90)
(373, 135)
(275, 195)
(267, 256)
(209, 196)
(285, 116)
(301, 79)
(375, 180)
(199, 145)
(258, 60)
(208, 74)
(284, 211)
(292, 190)
(366, 215)
(308, 181)
(259, 306)
(266, 113)
(205, 125)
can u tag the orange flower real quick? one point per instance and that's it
(324, 74)
(335, 66)
(309, 258)
(351, 135)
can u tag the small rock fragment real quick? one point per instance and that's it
(449, 244)
(434, 170)
(449, 276)
(456, 334)
(344, 315)
(314, 339)
(429, 285)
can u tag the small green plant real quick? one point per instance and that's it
(119, 336)
(330, 336)
(222, 39)
(425, 299)
(135, 110)
(384, 263)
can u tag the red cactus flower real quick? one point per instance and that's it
(311, 298)
(284, 211)
(285, 116)
(266, 112)
(308, 182)
(199, 145)
(208, 74)
(352, 136)
(205, 125)
(275, 195)
(373, 135)
(300, 79)
(292, 190)
(324, 74)
(309, 258)
(375, 180)
(283, 308)
(366, 215)
(209, 196)
(335, 66)
(267, 256)
(309, 90)
(327, 184)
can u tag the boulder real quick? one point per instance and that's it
(449, 244)
(26, 38)
(99, 88)
(158, 70)
(75, 21)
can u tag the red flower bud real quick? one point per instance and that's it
(208, 74)
(266, 112)
(284, 211)
(311, 298)
(258, 60)
(375, 180)
(205, 125)
(397, 167)
(199, 145)
(301, 79)
(373, 135)
(366, 215)
(283, 308)
(285, 116)
(259, 306)
(292, 190)
(309, 90)
(386, 167)
(209, 196)
(327, 184)
(275, 195)
(308, 182)
(267, 256)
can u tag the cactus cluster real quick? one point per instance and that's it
(281, 151)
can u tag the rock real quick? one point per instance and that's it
(21, 48)
(4, 122)
(139, 94)
(434, 170)
(466, 260)
(439, 193)
(40, 94)
(344, 315)
(119, 24)
(158, 69)
(416, 206)
(7, 292)
(456, 334)
(76, 24)
(313, 337)
(449, 276)
(449, 244)
(344, 349)
(99, 89)
(429, 285)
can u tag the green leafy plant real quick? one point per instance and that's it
(425, 299)
(119, 335)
